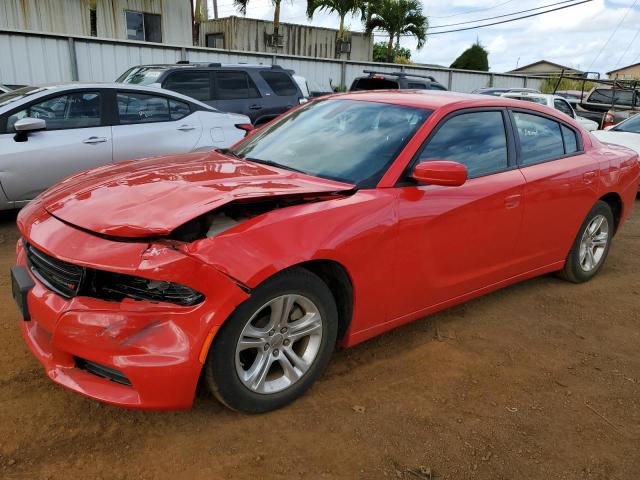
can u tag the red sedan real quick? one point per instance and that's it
(346, 217)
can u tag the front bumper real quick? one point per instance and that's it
(157, 346)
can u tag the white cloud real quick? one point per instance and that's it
(570, 37)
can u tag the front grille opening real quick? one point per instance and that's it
(69, 280)
(102, 371)
(61, 277)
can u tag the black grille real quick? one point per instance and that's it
(69, 280)
(102, 371)
(61, 277)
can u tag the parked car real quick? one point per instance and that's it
(608, 106)
(626, 133)
(394, 81)
(261, 92)
(496, 92)
(556, 102)
(52, 131)
(347, 217)
(4, 89)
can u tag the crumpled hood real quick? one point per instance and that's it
(152, 197)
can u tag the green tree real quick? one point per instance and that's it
(241, 5)
(341, 7)
(473, 58)
(380, 52)
(397, 18)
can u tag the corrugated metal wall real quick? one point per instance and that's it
(29, 58)
(247, 34)
(71, 17)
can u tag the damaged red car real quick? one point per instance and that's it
(243, 269)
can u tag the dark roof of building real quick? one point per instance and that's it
(623, 68)
(559, 67)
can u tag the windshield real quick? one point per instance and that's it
(141, 75)
(540, 100)
(632, 125)
(346, 140)
(14, 95)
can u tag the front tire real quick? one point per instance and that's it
(275, 345)
(591, 246)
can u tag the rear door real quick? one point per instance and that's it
(235, 91)
(561, 187)
(76, 139)
(284, 93)
(149, 125)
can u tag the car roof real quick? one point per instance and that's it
(48, 88)
(167, 66)
(435, 99)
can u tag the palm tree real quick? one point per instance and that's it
(341, 7)
(397, 18)
(241, 5)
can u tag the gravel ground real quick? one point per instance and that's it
(540, 380)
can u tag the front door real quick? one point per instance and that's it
(455, 240)
(74, 140)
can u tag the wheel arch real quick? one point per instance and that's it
(337, 278)
(614, 200)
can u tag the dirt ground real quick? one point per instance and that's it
(537, 381)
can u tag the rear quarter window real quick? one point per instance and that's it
(374, 84)
(281, 83)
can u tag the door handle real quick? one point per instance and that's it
(255, 107)
(186, 128)
(589, 177)
(94, 140)
(512, 201)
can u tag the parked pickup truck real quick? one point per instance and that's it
(609, 106)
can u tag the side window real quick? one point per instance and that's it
(75, 110)
(178, 110)
(540, 138)
(435, 86)
(563, 106)
(416, 85)
(234, 85)
(570, 140)
(280, 83)
(475, 139)
(192, 84)
(142, 108)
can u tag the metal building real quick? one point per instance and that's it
(159, 21)
(249, 34)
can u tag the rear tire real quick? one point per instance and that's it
(591, 246)
(275, 345)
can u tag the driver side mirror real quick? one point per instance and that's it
(26, 125)
(440, 172)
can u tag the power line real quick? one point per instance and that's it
(502, 16)
(472, 11)
(502, 21)
(628, 46)
(612, 34)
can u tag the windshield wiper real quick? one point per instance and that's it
(227, 151)
(275, 164)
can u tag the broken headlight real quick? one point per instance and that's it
(116, 286)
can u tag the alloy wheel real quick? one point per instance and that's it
(279, 344)
(594, 243)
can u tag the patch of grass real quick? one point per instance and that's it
(565, 84)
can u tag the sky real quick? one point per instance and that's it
(574, 37)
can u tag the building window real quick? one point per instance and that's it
(215, 40)
(93, 22)
(144, 26)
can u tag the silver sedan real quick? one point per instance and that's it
(50, 132)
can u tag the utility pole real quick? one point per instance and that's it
(215, 9)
